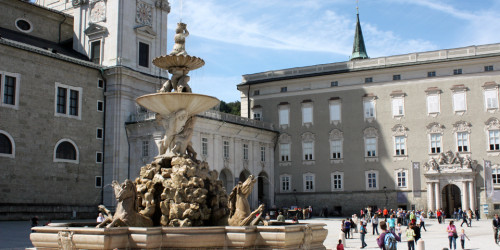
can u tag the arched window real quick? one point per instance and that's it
(7, 147)
(66, 151)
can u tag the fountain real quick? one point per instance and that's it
(177, 201)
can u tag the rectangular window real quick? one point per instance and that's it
(98, 181)
(283, 115)
(369, 108)
(459, 101)
(336, 149)
(368, 79)
(463, 141)
(400, 145)
(95, 52)
(99, 133)
(256, 92)
(307, 147)
(402, 179)
(491, 99)
(431, 74)
(145, 148)
(397, 107)
(371, 147)
(337, 182)
(285, 183)
(488, 68)
(262, 154)
(435, 143)
(496, 175)
(372, 180)
(9, 93)
(226, 150)
(100, 106)
(307, 113)
(284, 152)
(334, 84)
(245, 151)
(143, 54)
(204, 146)
(457, 71)
(61, 100)
(309, 183)
(494, 139)
(68, 101)
(432, 104)
(396, 77)
(257, 116)
(98, 157)
(283, 89)
(335, 111)
(100, 83)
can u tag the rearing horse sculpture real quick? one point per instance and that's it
(126, 213)
(239, 208)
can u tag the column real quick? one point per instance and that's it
(465, 199)
(438, 195)
(431, 204)
(472, 197)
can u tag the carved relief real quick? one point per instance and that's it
(77, 3)
(144, 13)
(163, 4)
(450, 161)
(97, 11)
(462, 126)
(370, 132)
(492, 124)
(336, 134)
(435, 128)
(285, 138)
(308, 136)
(399, 130)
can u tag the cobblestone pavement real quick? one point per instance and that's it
(15, 235)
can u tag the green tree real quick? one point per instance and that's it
(230, 107)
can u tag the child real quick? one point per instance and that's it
(398, 230)
(462, 238)
(340, 246)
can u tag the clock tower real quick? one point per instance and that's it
(123, 36)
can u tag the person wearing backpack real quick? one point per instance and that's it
(387, 240)
(362, 233)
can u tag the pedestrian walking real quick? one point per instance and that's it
(462, 238)
(375, 224)
(410, 237)
(422, 222)
(452, 235)
(362, 233)
(496, 226)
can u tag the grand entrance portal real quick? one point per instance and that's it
(451, 199)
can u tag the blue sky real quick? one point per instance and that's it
(237, 37)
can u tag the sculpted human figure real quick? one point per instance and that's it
(178, 82)
(467, 163)
(442, 159)
(432, 164)
(180, 40)
(453, 159)
(173, 125)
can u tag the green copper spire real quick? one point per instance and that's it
(358, 48)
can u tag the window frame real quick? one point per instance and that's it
(97, 157)
(488, 68)
(341, 180)
(311, 153)
(396, 143)
(495, 168)
(312, 180)
(496, 146)
(369, 175)
(3, 76)
(457, 71)
(431, 73)
(431, 141)
(494, 92)
(307, 113)
(438, 103)
(458, 140)
(225, 149)
(369, 145)
(284, 112)
(204, 146)
(284, 157)
(68, 101)
(55, 159)
(102, 106)
(100, 181)
(97, 133)
(401, 108)
(396, 77)
(403, 178)
(455, 108)
(91, 50)
(12, 144)
(333, 106)
(289, 180)
(245, 151)
(145, 148)
(148, 59)
(262, 153)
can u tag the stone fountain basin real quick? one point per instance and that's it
(167, 103)
(296, 236)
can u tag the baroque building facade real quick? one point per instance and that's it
(416, 131)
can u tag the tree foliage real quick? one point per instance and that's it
(230, 107)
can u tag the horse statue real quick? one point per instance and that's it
(239, 208)
(126, 209)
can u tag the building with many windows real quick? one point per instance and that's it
(418, 130)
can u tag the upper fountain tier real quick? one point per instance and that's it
(178, 61)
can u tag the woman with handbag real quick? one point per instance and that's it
(452, 235)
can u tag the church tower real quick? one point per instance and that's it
(358, 48)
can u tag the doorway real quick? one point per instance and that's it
(451, 199)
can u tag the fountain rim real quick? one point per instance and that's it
(190, 110)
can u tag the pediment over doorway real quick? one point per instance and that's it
(450, 162)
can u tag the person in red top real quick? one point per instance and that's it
(386, 213)
(438, 215)
(340, 246)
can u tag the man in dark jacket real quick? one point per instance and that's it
(496, 226)
(381, 238)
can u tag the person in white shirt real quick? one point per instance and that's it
(422, 223)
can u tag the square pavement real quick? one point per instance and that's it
(15, 235)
